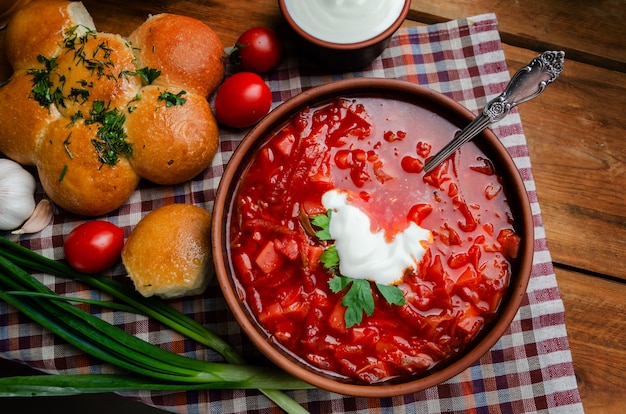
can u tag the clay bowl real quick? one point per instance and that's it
(437, 106)
(335, 55)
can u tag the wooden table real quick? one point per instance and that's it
(577, 139)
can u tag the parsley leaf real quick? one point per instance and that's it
(339, 283)
(392, 294)
(323, 222)
(148, 74)
(330, 258)
(358, 298)
(172, 99)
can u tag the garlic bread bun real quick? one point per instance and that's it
(23, 120)
(188, 53)
(168, 253)
(74, 177)
(39, 28)
(73, 107)
(99, 67)
(174, 134)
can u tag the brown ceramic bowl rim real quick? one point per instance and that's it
(346, 46)
(372, 87)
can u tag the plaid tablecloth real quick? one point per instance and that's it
(529, 370)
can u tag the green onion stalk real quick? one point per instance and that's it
(152, 367)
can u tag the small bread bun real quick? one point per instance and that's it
(188, 53)
(172, 143)
(168, 253)
(99, 67)
(72, 174)
(52, 19)
(22, 119)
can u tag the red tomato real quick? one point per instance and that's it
(94, 246)
(257, 50)
(242, 100)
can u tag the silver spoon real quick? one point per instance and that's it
(526, 84)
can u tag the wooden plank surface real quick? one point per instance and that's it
(594, 310)
(576, 134)
(589, 31)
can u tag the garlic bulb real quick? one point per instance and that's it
(17, 190)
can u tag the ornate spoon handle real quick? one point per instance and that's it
(526, 84)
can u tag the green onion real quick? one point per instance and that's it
(150, 307)
(109, 343)
(101, 303)
(60, 384)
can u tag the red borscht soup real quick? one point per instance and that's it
(373, 150)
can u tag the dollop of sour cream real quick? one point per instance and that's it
(344, 21)
(367, 255)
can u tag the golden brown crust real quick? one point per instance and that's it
(72, 175)
(168, 253)
(188, 53)
(171, 144)
(100, 67)
(22, 119)
(39, 28)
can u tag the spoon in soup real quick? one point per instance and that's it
(526, 84)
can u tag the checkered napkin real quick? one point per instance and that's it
(528, 370)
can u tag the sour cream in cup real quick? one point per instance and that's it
(344, 21)
(343, 35)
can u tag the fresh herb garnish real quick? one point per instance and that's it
(78, 115)
(43, 90)
(359, 297)
(172, 99)
(63, 172)
(78, 95)
(48, 92)
(323, 222)
(76, 43)
(66, 145)
(149, 75)
(392, 294)
(130, 107)
(100, 66)
(330, 259)
(111, 140)
(100, 62)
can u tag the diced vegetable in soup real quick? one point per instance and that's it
(451, 227)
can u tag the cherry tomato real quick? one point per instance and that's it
(94, 246)
(257, 50)
(242, 100)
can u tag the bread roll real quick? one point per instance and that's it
(22, 119)
(72, 174)
(39, 28)
(99, 67)
(188, 53)
(171, 144)
(81, 75)
(168, 253)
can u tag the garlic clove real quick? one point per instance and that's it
(17, 188)
(40, 218)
